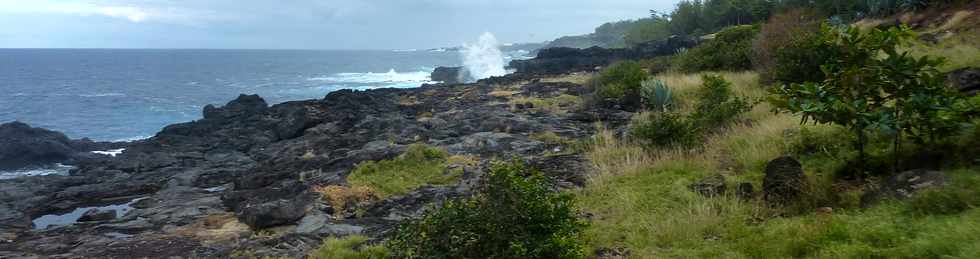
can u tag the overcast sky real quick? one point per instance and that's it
(301, 24)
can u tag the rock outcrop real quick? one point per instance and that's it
(784, 180)
(965, 80)
(562, 60)
(450, 75)
(24, 146)
(256, 166)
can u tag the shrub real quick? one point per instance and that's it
(665, 129)
(350, 247)
(730, 50)
(786, 49)
(419, 165)
(620, 80)
(656, 95)
(513, 214)
(941, 201)
(716, 103)
(716, 107)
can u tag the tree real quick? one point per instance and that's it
(869, 85)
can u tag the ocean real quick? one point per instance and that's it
(113, 94)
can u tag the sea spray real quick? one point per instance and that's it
(483, 59)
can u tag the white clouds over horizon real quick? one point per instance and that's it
(391, 24)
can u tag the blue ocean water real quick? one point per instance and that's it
(131, 94)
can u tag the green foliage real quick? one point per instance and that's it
(647, 29)
(717, 104)
(666, 129)
(941, 201)
(620, 80)
(656, 95)
(513, 215)
(420, 165)
(716, 107)
(869, 85)
(789, 48)
(730, 50)
(350, 247)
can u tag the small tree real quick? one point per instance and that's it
(513, 215)
(868, 84)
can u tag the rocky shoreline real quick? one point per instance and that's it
(238, 183)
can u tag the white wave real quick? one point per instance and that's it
(391, 77)
(131, 139)
(56, 169)
(102, 95)
(405, 50)
(110, 152)
(483, 59)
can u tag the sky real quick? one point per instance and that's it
(302, 24)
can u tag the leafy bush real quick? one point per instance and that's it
(716, 107)
(730, 50)
(716, 103)
(620, 80)
(788, 48)
(666, 129)
(351, 247)
(656, 95)
(419, 165)
(941, 201)
(512, 215)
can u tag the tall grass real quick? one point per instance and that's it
(640, 200)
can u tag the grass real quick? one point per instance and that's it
(420, 165)
(555, 105)
(350, 247)
(641, 203)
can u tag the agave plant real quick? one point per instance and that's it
(656, 95)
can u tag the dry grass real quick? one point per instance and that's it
(214, 228)
(503, 93)
(576, 78)
(341, 197)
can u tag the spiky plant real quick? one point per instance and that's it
(656, 95)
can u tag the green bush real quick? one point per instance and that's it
(620, 80)
(351, 247)
(665, 129)
(717, 106)
(513, 214)
(731, 50)
(941, 201)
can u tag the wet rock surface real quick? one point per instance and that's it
(240, 180)
(560, 60)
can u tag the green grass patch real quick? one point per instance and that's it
(420, 165)
(350, 247)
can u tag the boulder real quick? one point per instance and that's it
(965, 80)
(22, 145)
(710, 186)
(783, 181)
(904, 185)
(450, 75)
(745, 191)
(97, 215)
(274, 213)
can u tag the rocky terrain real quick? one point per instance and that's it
(239, 182)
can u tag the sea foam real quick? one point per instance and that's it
(483, 59)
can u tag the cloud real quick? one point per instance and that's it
(130, 13)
